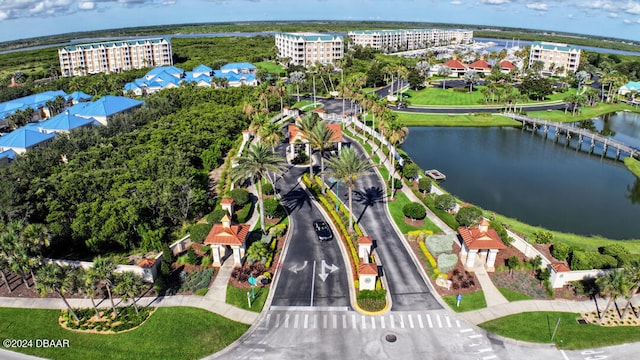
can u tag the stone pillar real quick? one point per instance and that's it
(292, 150)
(307, 150)
(339, 147)
(236, 255)
(364, 251)
(215, 250)
(491, 259)
(471, 258)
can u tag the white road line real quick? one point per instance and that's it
(564, 355)
(306, 320)
(344, 321)
(410, 321)
(335, 321)
(278, 320)
(382, 322)
(268, 320)
(313, 281)
(489, 357)
(448, 320)
(315, 321)
(474, 344)
(485, 350)
(393, 322)
(420, 321)
(286, 321)
(465, 330)
(373, 322)
(429, 321)
(458, 323)
(324, 321)
(364, 324)
(474, 336)
(439, 321)
(353, 321)
(295, 321)
(401, 322)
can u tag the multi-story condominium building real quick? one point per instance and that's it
(557, 58)
(309, 48)
(394, 40)
(114, 56)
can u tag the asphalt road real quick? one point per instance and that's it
(313, 272)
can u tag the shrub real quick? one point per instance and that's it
(446, 262)
(243, 214)
(206, 261)
(587, 260)
(513, 262)
(397, 184)
(542, 237)
(202, 291)
(277, 230)
(432, 261)
(439, 244)
(199, 232)
(419, 235)
(267, 188)
(502, 232)
(414, 211)
(273, 208)
(216, 215)
(258, 251)
(424, 184)
(468, 215)
(192, 257)
(445, 202)
(560, 251)
(372, 294)
(410, 171)
(239, 196)
(300, 159)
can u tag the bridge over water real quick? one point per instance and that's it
(570, 131)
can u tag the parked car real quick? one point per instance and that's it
(323, 232)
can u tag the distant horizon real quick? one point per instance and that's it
(25, 19)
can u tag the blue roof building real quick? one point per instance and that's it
(7, 156)
(34, 102)
(79, 96)
(239, 68)
(104, 108)
(22, 139)
(65, 122)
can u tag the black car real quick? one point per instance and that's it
(322, 230)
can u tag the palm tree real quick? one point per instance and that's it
(129, 285)
(35, 237)
(444, 71)
(297, 77)
(321, 138)
(632, 271)
(395, 132)
(256, 162)
(102, 270)
(471, 77)
(611, 285)
(87, 284)
(52, 277)
(581, 79)
(271, 134)
(348, 167)
(305, 126)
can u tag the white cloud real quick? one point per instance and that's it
(538, 6)
(632, 7)
(456, 2)
(613, 15)
(627, 21)
(496, 2)
(168, 2)
(86, 5)
(4, 15)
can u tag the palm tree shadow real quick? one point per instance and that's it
(295, 198)
(368, 197)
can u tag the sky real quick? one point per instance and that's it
(21, 19)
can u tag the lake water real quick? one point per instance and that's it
(522, 175)
(506, 43)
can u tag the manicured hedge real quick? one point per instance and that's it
(414, 211)
(199, 232)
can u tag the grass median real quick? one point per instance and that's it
(170, 333)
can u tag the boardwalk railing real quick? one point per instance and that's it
(571, 130)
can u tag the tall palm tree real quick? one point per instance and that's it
(103, 270)
(271, 134)
(297, 78)
(305, 125)
(444, 71)
(87, 285)
(632, 271)
(128, 287)
(348, 167)
(52, 277)
(36, 237)
(320, 138)
(254, 164)
(396, 133)
(611, 286)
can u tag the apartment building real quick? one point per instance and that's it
(396, 40)
(558, 59)
(309, 48)
(114, 56)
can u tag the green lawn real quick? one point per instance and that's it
(633, 165)
(199, 332)
(478, 120)
(587, 113)
(470, 302)
(238, 298)
(512, 295)
(538, 327)
(436, 96)
(395, 208)
(270, 66)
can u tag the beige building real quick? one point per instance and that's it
(398, 40)
(558, 59)
(309, 48)
(114, 56)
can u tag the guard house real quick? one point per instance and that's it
(480, 240)
(297, 137)
(228, 238)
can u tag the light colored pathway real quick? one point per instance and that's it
(492, 295)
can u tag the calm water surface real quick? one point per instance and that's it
(540, 182)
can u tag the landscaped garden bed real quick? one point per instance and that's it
(128, 318)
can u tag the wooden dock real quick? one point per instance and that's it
(570, 131)
(435, 175)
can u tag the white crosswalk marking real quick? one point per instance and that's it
(410, 321)
(373, 323)
(485, 350)
(315, 321)
(268, 320)
(382, 322)
(429, 321)
(278, 320)
(364, 325)
(489, 357)
(458, 323)
(439, 321)
(286, 321)
(306, 320)
(474, 336)
(465, 330)
(344, 321)
(420, 321)
(324, 321)
(295, 322)
(401, 322)
(446, 317)
(335, 321)
(474, 344)
(353, 321)
(393, 322)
